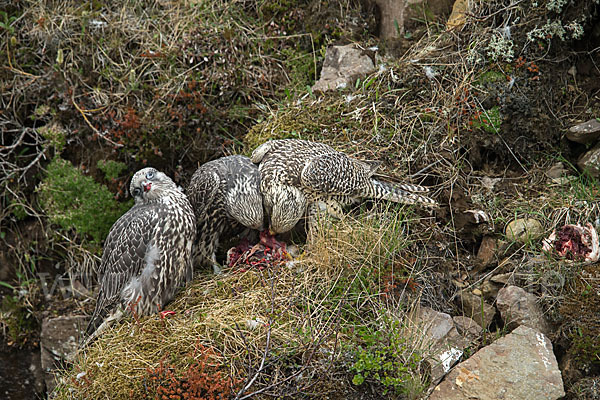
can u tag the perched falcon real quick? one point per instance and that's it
(148, 252)
(300, 177)
(225, 194)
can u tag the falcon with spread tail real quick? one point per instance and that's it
(300, 177)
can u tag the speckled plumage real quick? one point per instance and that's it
(225, 194)
(299, 176)
(147, 254)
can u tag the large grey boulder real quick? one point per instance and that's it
(521, 365)
(343, 65)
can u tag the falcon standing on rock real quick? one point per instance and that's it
(148, 252)
(299, 177)
(225, 194)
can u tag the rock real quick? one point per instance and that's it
(556, 171)
(398, 16)
(467, 327)
(504, 279)
(441, 340)
(589, 162)
(585, 132)
(517, 307)
(490, 289)
(520, 365)
(524, 229)
(487, 251)
(559, 175)
(476, 308)
(342, 66)
(458, 16)
(435, 325)
(59, 340)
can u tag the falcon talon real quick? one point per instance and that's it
(166, 313)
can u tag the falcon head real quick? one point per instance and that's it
(248, 212)
(149, 184)
(285, 206)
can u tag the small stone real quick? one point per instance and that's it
(556, 171)
(521, 365)
(476, 308)
(585, 132)
(589, 162)
(441, 338)
(487, 250)
(504, 279)
(517, 307)
(476, 292)
(490, 289)
(524, 229)
(467, 327)
(342, 66)
(458, 17)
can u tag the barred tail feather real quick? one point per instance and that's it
(403, 193)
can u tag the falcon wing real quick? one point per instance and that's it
(203, 188)
(124, 256)
(336, 174)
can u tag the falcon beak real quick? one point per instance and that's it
(272, 232)
(147, 186)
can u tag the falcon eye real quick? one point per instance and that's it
(136, 192)
(149, 174)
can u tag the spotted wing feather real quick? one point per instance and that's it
(123, 258)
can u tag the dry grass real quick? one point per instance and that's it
(135, 78)
(266, 327)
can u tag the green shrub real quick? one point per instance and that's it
(112, 169)
(387, 357)
(74, 201)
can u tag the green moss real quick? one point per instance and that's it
(489, 120)
(112, 169)
(321, 121)
(74, 201)
(301, 67)
(491, 77)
